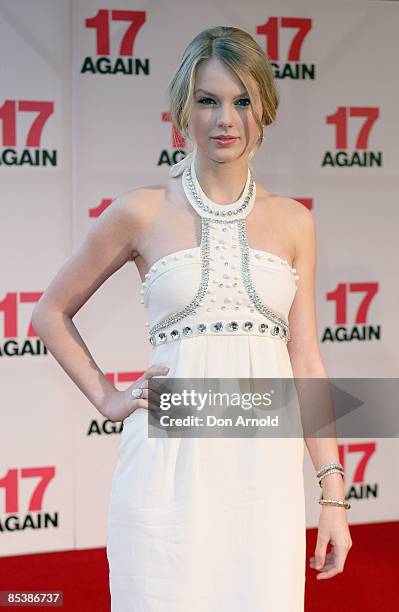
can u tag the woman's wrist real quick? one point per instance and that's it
(333, 486)
(109, 403)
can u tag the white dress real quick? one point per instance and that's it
(201, 524)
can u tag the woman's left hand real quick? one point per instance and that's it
(333, 527)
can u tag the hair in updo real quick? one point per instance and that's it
(241, 54)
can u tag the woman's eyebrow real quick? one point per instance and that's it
(243, 93)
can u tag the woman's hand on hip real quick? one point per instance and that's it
(121, 403)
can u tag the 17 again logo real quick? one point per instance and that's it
(356, 154)
(103, 21)
(15, 485)
(360, 488)
(125, 63)
(11, 113)
(16, 308)
(360, 330)
(298, 29)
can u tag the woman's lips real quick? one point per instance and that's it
(224, 141)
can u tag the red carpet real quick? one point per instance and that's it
(369, 583)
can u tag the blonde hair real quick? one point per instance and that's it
(241, 54)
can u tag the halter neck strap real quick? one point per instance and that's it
(205, 207)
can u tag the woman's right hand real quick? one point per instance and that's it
(121, 403)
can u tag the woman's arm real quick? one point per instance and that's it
(304, 351)
(109, 244)
(307, 364)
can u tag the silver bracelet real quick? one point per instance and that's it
(331, 471)
(327, 466)
(334, 502)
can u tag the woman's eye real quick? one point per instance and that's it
(206, 100)
(245, 100)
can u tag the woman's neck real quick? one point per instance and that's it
(223, 183)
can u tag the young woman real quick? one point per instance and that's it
(208, 523)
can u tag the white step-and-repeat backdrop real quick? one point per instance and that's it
(83, 118)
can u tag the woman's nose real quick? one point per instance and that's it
(225, 117)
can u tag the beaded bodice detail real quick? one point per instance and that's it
(218, 295)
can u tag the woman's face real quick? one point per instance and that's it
(222, 106)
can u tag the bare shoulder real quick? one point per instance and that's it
(293, 211)
(298, 217)
(298, 222)
(136, 203)
(134, 210)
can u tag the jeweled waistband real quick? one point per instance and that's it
(231, 327)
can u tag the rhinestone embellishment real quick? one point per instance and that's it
(218, 213)
(190, 308)
(211, 210)
(219, 327)
(231, 234)
(250, 289)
